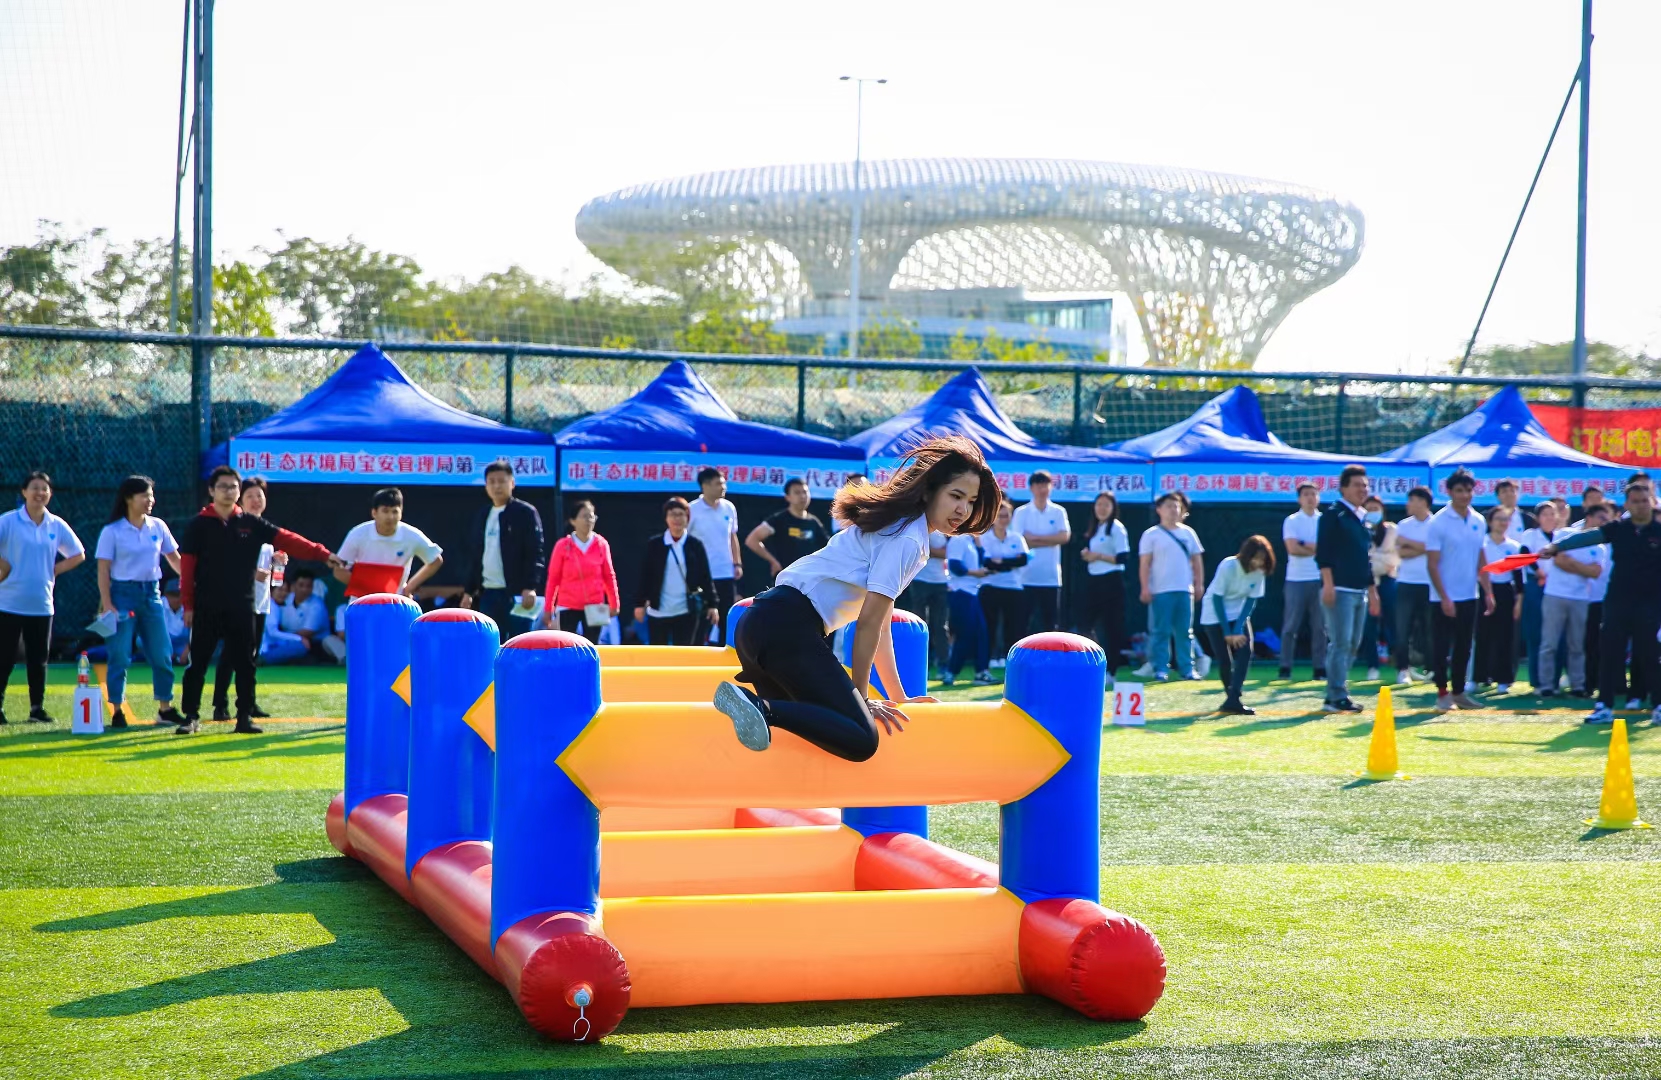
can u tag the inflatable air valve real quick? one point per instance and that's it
(1104, 964)
(451, 770)
(911, 656)
(545, 885)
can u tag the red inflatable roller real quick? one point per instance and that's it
(1106, 965)
(377, 832)
(760, 818)
(451, 884)
(568, 980)
(334, 823)
(907, 861)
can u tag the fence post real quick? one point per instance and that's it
(1338, 420)
(201, 404)
(1078, 407)
(801, 395)
(507, 388)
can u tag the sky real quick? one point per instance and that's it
(469, 136)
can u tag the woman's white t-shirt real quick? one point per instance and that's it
(1012, 545)
(1171, 570)
(1112, 541)
(1492, 552)
(966, 551)
(1233, 583)
(855, 562)
(934, 571)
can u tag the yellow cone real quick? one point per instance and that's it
(1381, 753)
(1618, 809)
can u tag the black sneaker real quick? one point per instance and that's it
(119, 719)
(1231, 707)
(189, 727)
(749, 720)
(1318, 675)
(245, 726)
(1285, 674)
(169, 716)
(1347, 706)
(38, 716)
(221, 714)
(258, 713)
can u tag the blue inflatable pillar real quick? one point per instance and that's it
(1050, 845)
(451, 770)
(911, 656)
(377, 719)
(734, 615)
(547, 832)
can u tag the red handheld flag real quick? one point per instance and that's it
(1510, 563)
(369, 578)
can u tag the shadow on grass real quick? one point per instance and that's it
(382, 944)
(148, 743)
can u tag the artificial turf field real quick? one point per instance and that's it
(171, 908)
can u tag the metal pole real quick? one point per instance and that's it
(853, 245)
(179, 173)
(801, 396)
(1532, 184)
(1580, 209)
(1338, 417)
(507, 388)
(202, 271)
(1078, 408)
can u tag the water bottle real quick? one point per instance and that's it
(276, 575)
(83, 671)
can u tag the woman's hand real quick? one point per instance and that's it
(925, 699)
(1235, 641)
(1147, 597)
(889, 716)
(714, 614)
(279, 558)
(616, 611)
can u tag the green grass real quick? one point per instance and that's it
(170, 908)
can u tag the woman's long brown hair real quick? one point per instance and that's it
(923, 471)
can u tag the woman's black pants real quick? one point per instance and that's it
(572, 618)
(1232, 662)
(1005, 610)
(1104, 615)
(804, 688)
(36, 632)
(1496, 639)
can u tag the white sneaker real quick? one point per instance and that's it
(1202, 665)
(1144, 672)
(1372, 674)
(997, 662)
(1600, 715)
(1444, 703)
(1418, 676)
(1403, 678)
(741, 708)
(1634, 703)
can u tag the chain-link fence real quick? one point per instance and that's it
(92, 407)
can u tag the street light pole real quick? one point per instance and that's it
(859, 199)
(1580, 233)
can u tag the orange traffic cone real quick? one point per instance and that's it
(1618, 809)
(1381, 753)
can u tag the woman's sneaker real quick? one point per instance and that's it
(1144, 672)
(119, 719)
(744, 710)
(1202, 665)
(38, 716)
(983, 678)
(1601, 715)
(169, 716)
(1372, 674)
(948, 679)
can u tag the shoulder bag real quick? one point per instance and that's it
(694, 597)
(594, 615)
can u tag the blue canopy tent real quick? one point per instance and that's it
(1225, 453)
(965, 406)
(657, 440)
(1500, 440)
(368, 423)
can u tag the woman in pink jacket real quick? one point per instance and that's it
(582, 582)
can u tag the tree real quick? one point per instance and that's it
(890, 338)
(39, 281)
(343, 290)
(130, 287)
(1182, 333)
(730, 332)
(1539, 358)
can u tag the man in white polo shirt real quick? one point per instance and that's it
(1301, 600)
(1413, 607)
(1453, 559)
(715, 526)
(1045, 527)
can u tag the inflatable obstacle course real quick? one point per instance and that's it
(593, 846)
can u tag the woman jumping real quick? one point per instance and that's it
(783, 642)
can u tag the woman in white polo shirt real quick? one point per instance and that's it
(36, 546)
(1105, 550)
(783, 641)
(1002, 597)
(129, 552)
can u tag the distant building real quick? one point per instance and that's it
(1029, 249)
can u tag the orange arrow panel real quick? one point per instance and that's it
(686, 755)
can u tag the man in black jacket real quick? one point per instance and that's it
(676, 596)
(508, 561)
(1348, 593)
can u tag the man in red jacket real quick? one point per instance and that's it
(218, 552)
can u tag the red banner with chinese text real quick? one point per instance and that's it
(1627, 436)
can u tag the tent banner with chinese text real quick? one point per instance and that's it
(1628, 436)
(674, 471)
(1533, 485)
(1074, 481)
(1220, 482)
(350, 461)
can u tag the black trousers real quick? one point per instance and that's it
(928, 599)
(223, 671)
(570, 619)
(805, 690)
(1623, 620)
(1452, 636)
(670, 630)
(36, 632)
(1232, 663)
(1594, 635)
(1496, 639)
(726, 594)
(211, 628)
(1103, 617)
(1413, 621)
(1005, 611)
(1043, 608)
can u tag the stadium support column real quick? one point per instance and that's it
(1580, 210)
(201, 274)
